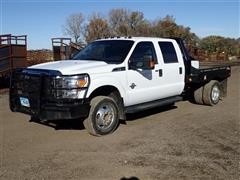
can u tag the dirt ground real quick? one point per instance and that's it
(186, 141)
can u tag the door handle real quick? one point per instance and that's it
(180, 70)
(160, 72)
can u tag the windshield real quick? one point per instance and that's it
(109, 51)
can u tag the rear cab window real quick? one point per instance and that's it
(168, 52)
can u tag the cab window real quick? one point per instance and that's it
(168, 52)
(142, 50)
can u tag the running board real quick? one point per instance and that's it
(149, 105)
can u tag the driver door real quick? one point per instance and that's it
(142, 83)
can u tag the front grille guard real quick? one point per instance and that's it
(29, 83)
(28, 86)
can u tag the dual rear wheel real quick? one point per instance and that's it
(209, 94)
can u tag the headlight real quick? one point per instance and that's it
(70, 94)
(71, 82)
(70, 87)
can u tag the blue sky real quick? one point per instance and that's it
(43, 20)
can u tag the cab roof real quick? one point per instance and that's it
(135, 38)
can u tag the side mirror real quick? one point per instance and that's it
(147, 63)
(150, 64)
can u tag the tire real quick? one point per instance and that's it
(198, 96)
(103, 116)
(211, 93)
(34, 119)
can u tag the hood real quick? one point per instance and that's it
(69, 67)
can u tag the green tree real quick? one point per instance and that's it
(167, 27)
(220, 44)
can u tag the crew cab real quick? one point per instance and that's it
(114, 76)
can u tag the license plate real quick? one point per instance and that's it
(24, 102)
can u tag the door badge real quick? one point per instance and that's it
(133, 85)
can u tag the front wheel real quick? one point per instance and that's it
(103, 116)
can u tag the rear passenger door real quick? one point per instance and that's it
(172, 68)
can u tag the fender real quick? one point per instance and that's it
(106, 81)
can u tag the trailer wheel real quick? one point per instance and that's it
(211, 93)
(198, 95)
(103, 116)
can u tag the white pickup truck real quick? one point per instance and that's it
(112, 77)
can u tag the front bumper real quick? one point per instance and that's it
(42, 105)
(50, 111)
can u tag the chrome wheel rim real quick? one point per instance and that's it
(105, 116)
(215, 94)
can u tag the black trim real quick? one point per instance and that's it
(119, 69)
(187, 59)
(72, 110)
(39, 72)
(148, 105)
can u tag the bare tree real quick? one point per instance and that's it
(96, 28)
(74, 26)
(135, 19)
(137, 24)
(119, 23)
(127, 23)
